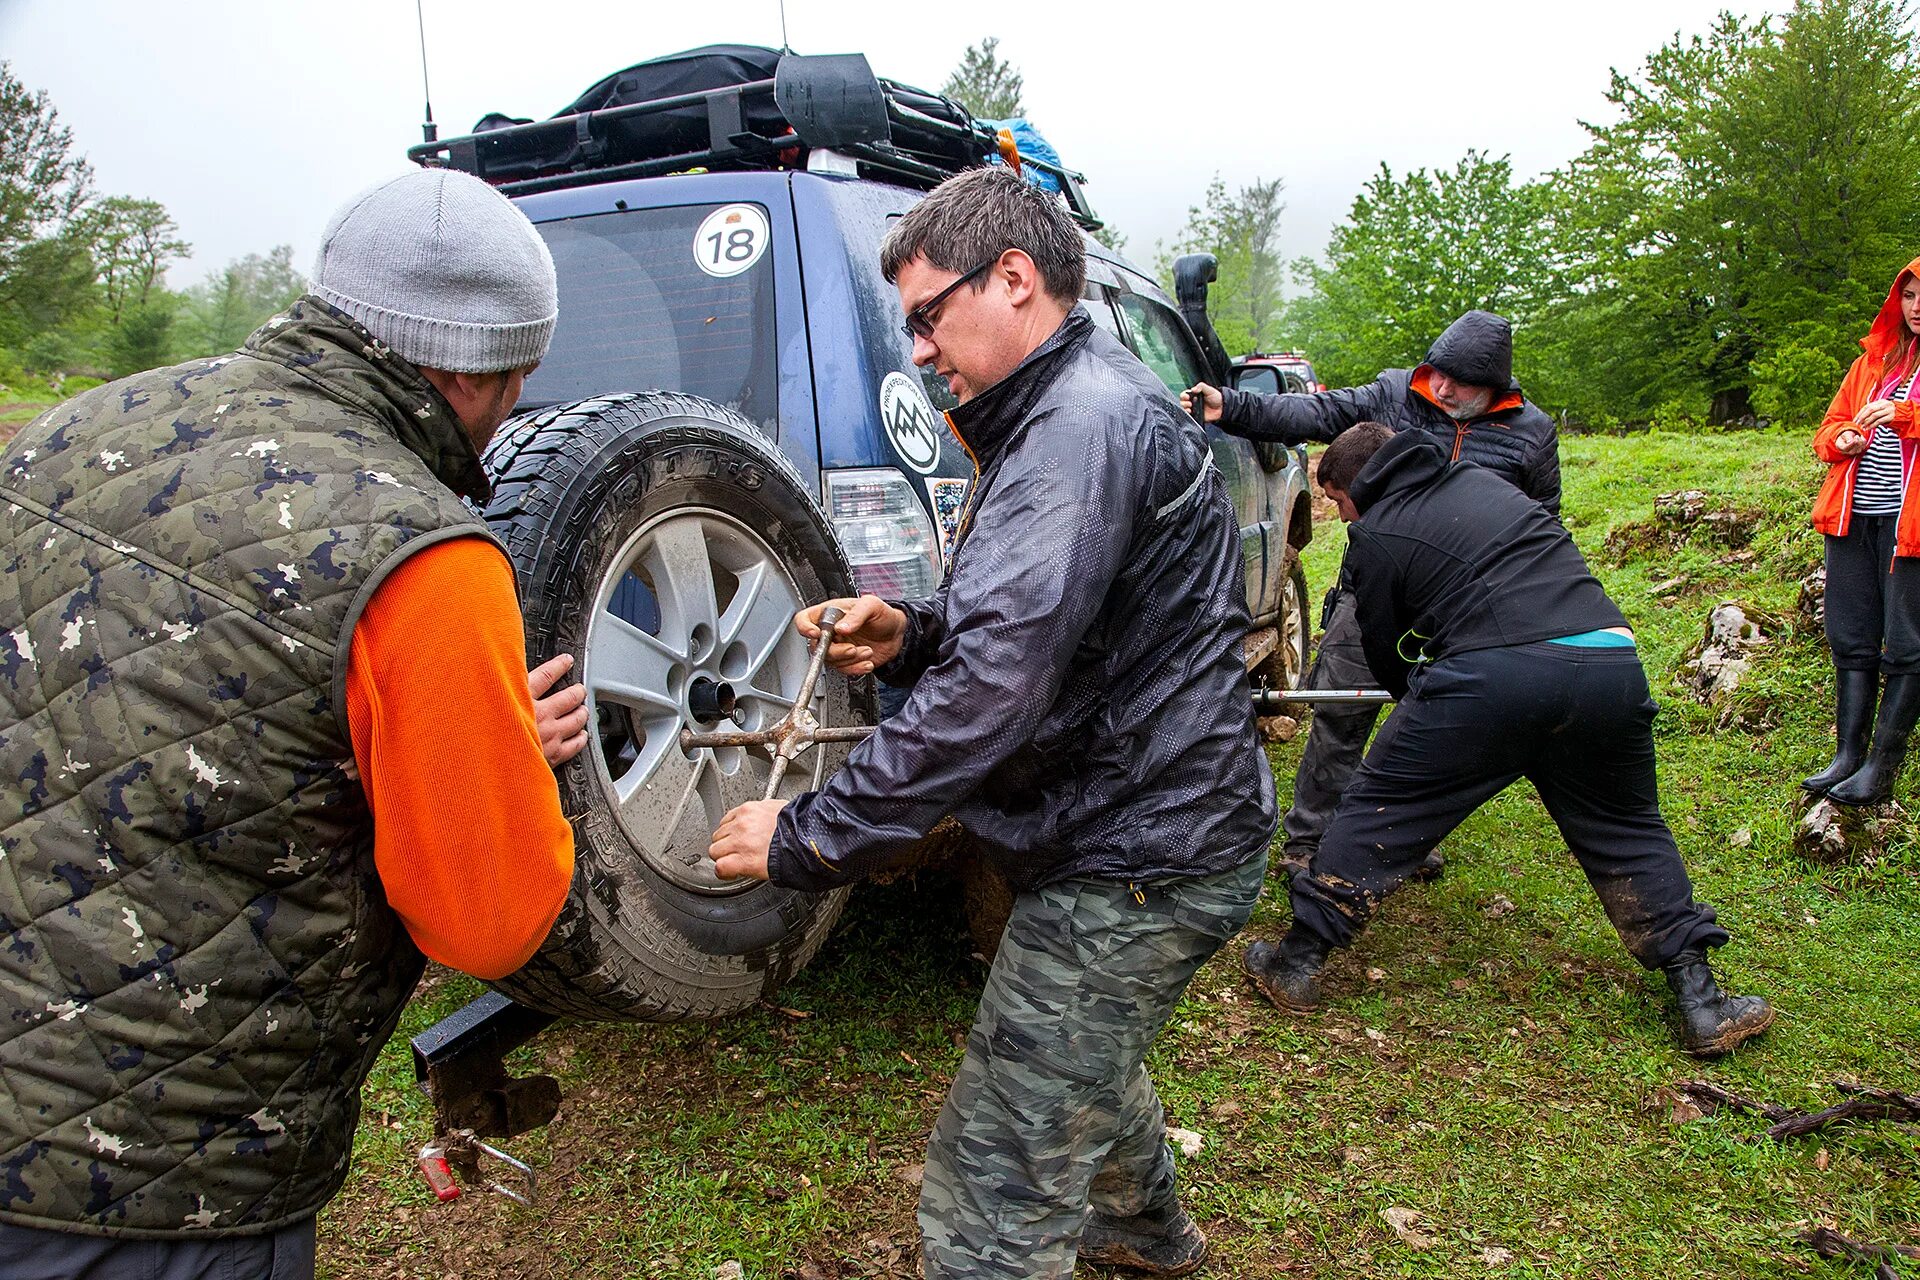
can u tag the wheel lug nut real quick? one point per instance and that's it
(710, 700)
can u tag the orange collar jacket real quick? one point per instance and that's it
(1833, 509)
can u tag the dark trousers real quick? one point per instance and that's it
(27, 1253)
(1336, 736)
(1873, 600)
(1577, 723)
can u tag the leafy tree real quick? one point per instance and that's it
(1242, 232)
(984, 84)
(1743, 215)
(133, 242)
(49, 284)
(42, 182)
(143, 338)
(1414, 253)
(220, 311)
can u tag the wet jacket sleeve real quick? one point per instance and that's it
(1299, 417)
(468, 837)
(926, 630)
(1543, 472)
(1373, 576)
(1047, 542)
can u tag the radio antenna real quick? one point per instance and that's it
(429, 130)
(786, 46)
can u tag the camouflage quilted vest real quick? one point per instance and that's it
(197, 963)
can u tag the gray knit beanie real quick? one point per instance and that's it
(443, 269)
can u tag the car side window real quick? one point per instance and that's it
(1261, 380)
(1099, 304)
(1161, 343)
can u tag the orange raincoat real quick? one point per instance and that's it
(1833, 509)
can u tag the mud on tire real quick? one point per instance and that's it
(665, 543)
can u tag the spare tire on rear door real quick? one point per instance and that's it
(666, 544)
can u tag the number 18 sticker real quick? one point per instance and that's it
(731, 239)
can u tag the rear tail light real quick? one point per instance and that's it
(887, 535)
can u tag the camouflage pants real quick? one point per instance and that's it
(1052, 1109)
(1336, 736)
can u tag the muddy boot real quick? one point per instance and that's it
(1289, 974)
(1710, 1023)
(1294, 860)
(1873, 782)
(1160, 1242)
(1853, 694)
(1431, 868)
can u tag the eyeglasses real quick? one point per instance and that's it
(920, 320)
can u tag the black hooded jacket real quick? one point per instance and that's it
(1080, 701)
(1514, 439)
(1445, 559)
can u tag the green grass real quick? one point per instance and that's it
(1504, 1074)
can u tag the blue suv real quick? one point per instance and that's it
(728, 427)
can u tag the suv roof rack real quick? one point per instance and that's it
(826, 102)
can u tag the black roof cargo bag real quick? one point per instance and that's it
(513, 154)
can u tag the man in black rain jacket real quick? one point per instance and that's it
(1510, 662)
(1080, 702)
(1464, 397)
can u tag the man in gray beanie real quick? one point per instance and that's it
(1466, 396)
(269, 742)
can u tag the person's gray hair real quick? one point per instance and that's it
(976, 216)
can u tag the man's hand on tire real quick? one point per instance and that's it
(561, 717)
(739, 848)
(868, 636)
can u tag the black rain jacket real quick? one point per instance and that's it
(1079, 696)
(1514, 439)
(1445, 559)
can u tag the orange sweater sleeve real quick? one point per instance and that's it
(468, 836)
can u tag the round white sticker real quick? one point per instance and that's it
(731, 239)
(910, 422)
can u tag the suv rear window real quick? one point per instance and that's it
(637, 312)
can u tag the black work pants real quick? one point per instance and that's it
(1578, 723)
(1873, 600)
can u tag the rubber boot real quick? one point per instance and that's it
(1712, 1024)
(1431, 868)
(1873, 782)
(1289, 974)
(1160, 1242)
(1853, 696)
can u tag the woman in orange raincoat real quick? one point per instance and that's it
(1870, 511)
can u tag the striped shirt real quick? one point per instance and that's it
(1881, 481)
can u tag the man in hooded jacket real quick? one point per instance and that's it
(1509, 661)
(1466, 399)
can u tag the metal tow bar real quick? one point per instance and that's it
(798, 729)
(1275, 699)
(795, 731)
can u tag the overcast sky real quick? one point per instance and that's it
(250, 121)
